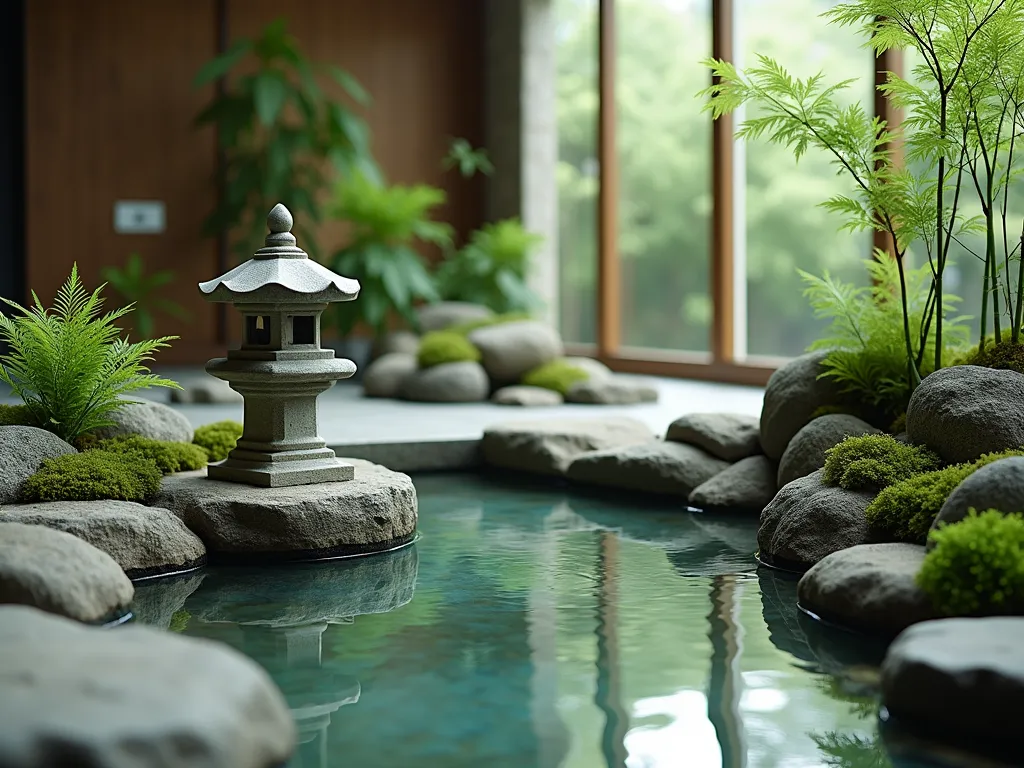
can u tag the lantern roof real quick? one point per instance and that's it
(280, 272)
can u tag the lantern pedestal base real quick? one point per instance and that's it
(279, 474)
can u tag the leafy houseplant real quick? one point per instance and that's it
(138, 289)
(491, 268)
(386, 222)
(970, 50)
(282, 136)
(469, 161)
(69, 365)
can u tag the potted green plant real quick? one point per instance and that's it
(283, 138)
(386, 224)
(491, 268)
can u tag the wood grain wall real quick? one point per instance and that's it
(109, 106)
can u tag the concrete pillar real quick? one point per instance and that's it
(522, 129)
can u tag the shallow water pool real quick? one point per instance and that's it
(533, 627)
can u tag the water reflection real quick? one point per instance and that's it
(529, 627)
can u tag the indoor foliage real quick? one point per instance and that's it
(141, 291)
(976, 567)
(69, 365)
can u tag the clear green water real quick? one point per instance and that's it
(534, 627)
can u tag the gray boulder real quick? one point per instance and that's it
(794, 392)
(749, 484)
(594, 368)
(24, 450)
(512, 349)
(808, 520)
(869, 587)
(612, 390)
(137, 697)
(548, 447)
(728, 436)
(206, 390)
(964, 411)
(386, 375)
(149, 419)
(999, 485)
(654, 467)
(960, 677)
(157, 602)
(375, 511)
(465, 382)
(144, 541)
(59, 573)
(806, 451)
(445, 314)
(520, 394)
(397, 341)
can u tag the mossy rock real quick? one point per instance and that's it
(468, 327)
(169, 457)
(1004, 356)
(874, 462)
(218, 439)
(438, 347)
(93, 475)
(558, 375)
(906, 510)
(976, 567)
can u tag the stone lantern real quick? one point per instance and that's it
(280, 369)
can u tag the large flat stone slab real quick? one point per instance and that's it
(548, 447)
(135, 697)
(961, 678)
(59, 573)
(374, 512)
(657, 466)
(869, 587)
(729, 436)
(144, 541)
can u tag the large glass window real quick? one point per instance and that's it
(664, 171)
(786, 229)
(578, 167)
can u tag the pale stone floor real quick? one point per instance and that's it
(413, 436)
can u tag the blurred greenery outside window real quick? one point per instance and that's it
(664, 167)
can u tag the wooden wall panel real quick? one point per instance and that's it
(109, 107)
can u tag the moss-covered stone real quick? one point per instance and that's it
(976, 567)
(874, 462)
(439, 347)
(169, 457)
(93, 475)
(558, 375)
(906, 510)
(218, 439)
(468, 327)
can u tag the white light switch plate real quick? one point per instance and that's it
(139, 217)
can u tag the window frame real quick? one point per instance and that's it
(722, 363)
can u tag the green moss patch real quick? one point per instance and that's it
(440, 347)
(93, 475)
(1006, 356)
(906, 510)
(169, 457)
(218, 439)
(557, 375)
(874, 462)
(977, 566)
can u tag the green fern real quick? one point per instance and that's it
(867, 355)
(69, 364)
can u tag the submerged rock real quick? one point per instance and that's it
(808, 520)
(964, 411)
(510, 350)
(149, 419)
(747, 485)
(24, 451)
(136, 697)
(144, 541)
(806, 451)
(794, 392)
(548, 447)
(375, 511)
(464, 382)
(654, 467)
(520, 394)
(962, 678)
(729, 436)
(59, 573)
(386, 375)
(869, 587)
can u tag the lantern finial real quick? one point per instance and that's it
(279, 222)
